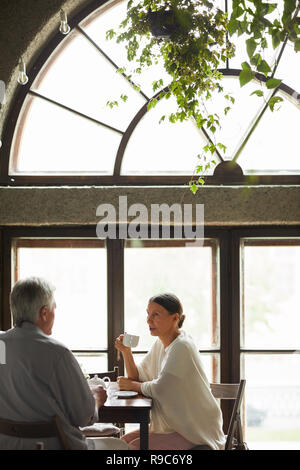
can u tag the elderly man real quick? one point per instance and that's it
(41, 377)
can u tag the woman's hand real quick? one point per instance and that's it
(120, 346)
(127, 384)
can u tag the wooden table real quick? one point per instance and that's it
(129, 410)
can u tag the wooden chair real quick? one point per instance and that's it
(103, 429)
(234, 438)
(35, 430)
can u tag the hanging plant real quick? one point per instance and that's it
(192, 40)
(194, 45)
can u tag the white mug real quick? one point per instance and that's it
(131, 341)
(105, 382)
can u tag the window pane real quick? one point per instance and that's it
(236, 122)
(59, 141)
(149, 271)
(105, 19)
(92, 363)
(163, 148)
(289, 67)
(272, 401)
(271, 297)
(268, 149)
(211, 364)
(80, 77)
(79, 275)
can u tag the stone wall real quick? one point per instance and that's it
(223, 206)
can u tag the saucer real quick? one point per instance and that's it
(126, 394)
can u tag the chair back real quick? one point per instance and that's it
(35, 430)
(232, 392)
(112, 374)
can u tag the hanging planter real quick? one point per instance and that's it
(162, 24)
(180, 34)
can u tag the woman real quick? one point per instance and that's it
(184, 413)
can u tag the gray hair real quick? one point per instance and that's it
(28, 297)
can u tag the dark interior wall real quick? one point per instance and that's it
(20, 21)
(25, 27)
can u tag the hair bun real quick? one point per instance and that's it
(181, 320)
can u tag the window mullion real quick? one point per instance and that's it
(115, 298)
(6, 320)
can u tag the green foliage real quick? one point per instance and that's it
(192, 55)
(263, 23)
(199, 43)
(246, 74)
(273, 101)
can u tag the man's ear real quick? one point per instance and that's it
(43, 313)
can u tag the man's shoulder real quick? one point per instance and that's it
(53, 344)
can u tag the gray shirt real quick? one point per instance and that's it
(41, 379)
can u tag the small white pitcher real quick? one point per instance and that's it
(105, 382)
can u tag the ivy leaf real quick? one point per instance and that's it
(152, 103)
(271, 7)
(201, 181)
(222, 147)
(233, 26)
(297, 45)
(237, 12)
(111, 104)
(276, 39)
(273, 83)
(257, 93)
(251, 46)
(230, 98)
(264, 43)
(193, 188)
(256, 60)
(110, 34)
(264, 67)
(246, 74)
(273, 101)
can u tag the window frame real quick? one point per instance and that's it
(221, 176)
(229, 286)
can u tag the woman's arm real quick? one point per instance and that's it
(128, 384)
(130, 366)
(129, 363)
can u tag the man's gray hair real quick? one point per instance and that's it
(28, 297)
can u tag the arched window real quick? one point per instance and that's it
(66, 132)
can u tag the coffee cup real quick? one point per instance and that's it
(131, 341)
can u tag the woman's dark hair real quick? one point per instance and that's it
(171, 303)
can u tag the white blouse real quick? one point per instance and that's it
(182, 400)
